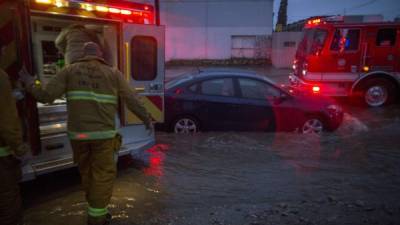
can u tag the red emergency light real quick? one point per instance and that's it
(314, 22)
(107, 9)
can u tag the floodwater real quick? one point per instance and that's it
(351, 176)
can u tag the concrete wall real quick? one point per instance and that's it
(284, 46)
(203, 29)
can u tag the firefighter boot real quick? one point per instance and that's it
(103, 220)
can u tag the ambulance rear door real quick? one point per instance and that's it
(144, 54)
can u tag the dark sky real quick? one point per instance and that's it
(301, 9)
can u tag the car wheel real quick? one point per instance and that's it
(313, 125)
(185, 125)
(378, 92)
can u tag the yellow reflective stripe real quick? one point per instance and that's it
(95, 135)
(91, 96)
(95, 212)
(4, 151)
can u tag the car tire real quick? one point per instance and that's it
(185, 125)
(378, 92)
(313, 125)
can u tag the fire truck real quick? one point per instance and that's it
(341, 58)
(136, 47)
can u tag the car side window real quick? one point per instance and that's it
(257, 90)
(219, 87)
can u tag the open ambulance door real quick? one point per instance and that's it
(144, 54)
(143, 66)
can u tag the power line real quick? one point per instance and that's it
(362, 5)
(339, 11)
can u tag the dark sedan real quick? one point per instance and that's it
(238, 100)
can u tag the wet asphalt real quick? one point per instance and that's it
(350, 176)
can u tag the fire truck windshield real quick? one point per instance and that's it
(313, 41)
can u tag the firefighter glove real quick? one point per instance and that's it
(22, 154)
(26, 78)
(149, 128)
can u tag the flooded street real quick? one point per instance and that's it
(351, 176)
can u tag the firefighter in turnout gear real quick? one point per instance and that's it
(71, 40)
(11, 147)
(92, 89)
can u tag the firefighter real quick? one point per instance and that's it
(11, 148)
(92, 89)
(71, 40)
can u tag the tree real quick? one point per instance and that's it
(282, 16)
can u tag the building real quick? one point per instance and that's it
(217, 29)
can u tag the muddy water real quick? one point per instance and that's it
(351, 176)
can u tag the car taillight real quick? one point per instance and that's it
(178, 91)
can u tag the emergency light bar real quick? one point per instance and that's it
(94, 7)
(324, 20)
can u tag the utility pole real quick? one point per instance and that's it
(157, 9)
(282, 16)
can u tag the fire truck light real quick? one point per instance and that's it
(366, 68)
(114, 10)
(126, 12)
(100, 8)
(304, 72)
(146, 8)
(44, 1)
(314, 22)
(316, 89)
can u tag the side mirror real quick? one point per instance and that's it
(279, 99)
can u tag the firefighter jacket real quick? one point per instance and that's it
(71, 40)
(10, 124)
(92, 89)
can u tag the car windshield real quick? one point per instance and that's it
(177, 81)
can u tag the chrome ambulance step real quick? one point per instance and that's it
(53, 128)
(52, 113)
(52, 165)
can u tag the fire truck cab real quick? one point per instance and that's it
(135, 45)
(339, 58)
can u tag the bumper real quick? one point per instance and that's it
(335, 119)
(324, 88)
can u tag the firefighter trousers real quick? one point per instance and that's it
(10, 198)
(97, 167)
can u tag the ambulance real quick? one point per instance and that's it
(136, 47)
(338, 57)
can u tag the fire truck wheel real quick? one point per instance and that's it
(378, 92)
(185, 125)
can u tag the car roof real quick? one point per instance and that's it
(234, 72)
(202, 74)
